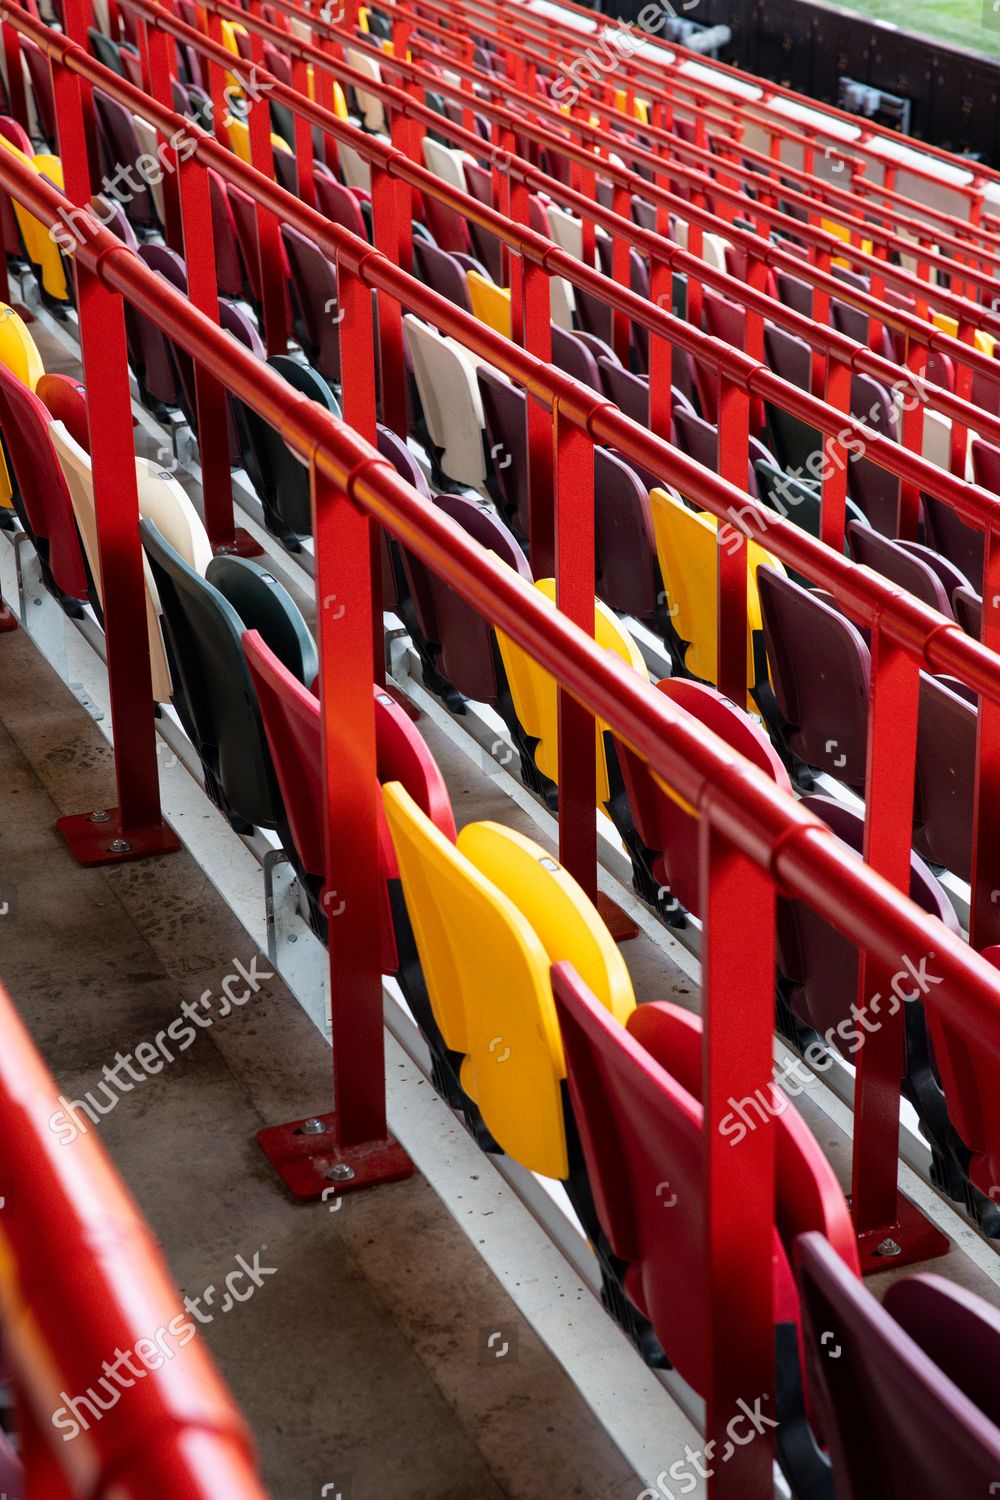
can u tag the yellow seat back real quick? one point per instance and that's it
(983, 342)
(42, 250)
(19, 354)
(239, 139)
(534, 690)
(486, 967)
(688, 549)
(490, 303)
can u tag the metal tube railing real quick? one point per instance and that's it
(756, 836)
(84, 1287)
(924, 639)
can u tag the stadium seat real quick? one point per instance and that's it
(231, 272)
(445, 375)
(818, 978)
(917, 569)
(534, 693)
(444, 273)
(337, 203)
(66, 399)
(949, 535)
(820, 668)
(903, 1392)
(946, 775)
(292, 721)
(636, 1097)
(119, 145)
(800, 501)
(314, 285)
(40, 496)
(687, 545)
(79, 476)
(700, 440)
(203, 622)
(490, 303)
(968, 607)
(486, 966)
(279, 477)
(669, 830)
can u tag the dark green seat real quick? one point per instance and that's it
(203, 630)
(798, 500)
(280, 479)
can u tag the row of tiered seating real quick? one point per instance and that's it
(521, 994)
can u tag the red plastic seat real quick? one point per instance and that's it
(293, 726)
(41, 495)
(905, 1393)
(669, 831)
(635, 1094)
(66, 399)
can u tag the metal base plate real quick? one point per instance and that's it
(306, 1160)
(915, 1237)
(90, 837)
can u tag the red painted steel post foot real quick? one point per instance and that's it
(243, 546)
(98, 838)
(618, 922)
(8, 619)
(907, 1242)
(312, 1164)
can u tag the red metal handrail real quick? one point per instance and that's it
(665, 72)
(81, 1282)
(758, 835)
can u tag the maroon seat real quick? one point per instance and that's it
(40, 74)
(12, 243)
(968, 607)
(458, 641)
(820, 671)
(911, 566)
(905, 1392)
(230, 269)
(485, 246)
(949, 535)
(505, 413)
(819, 978)
(857, 324)
(670, 833)
(946, 762)
(629, 392)
(118, 144)
(244, 211)
(571, 354)
(700, 440)
(636, 1098)
(293, 725)
(442, 272)
(314, 278)
(627, 569)
(795, 293)
(339, 204)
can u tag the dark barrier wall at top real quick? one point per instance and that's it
(807, 46)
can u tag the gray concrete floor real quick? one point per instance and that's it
(362, 1362)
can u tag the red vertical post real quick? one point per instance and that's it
(738, 961)
(882, 1219)
(357, 334)
(538, 341)
(272, 271)
(135, 827)
(388, 238)
(574, 451)
(349, 1148)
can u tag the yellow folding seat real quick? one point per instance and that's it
(984, 343)
(490, 303)
(687, 546)
(486, 966)
(239, 139)
(843, 233)
(42, 249)
(19, 354)
(535, 694)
